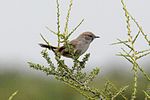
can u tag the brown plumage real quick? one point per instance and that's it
(80, 45)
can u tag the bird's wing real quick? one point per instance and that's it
(74, 43)
(61, 48)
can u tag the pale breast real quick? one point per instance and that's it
(82, 47)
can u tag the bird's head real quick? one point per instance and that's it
(87, 36)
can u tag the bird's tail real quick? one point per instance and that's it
(48, 46)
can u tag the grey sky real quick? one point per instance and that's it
(22, 21)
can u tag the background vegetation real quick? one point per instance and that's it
(40, 87)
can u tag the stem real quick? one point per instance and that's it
(131, 41)
(58, 22)
(135, 83)
(67, 18)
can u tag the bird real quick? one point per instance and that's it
(79, 44)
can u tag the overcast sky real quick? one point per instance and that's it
(22, 21)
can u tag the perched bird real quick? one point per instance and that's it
(80, 45)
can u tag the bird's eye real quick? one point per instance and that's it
(90, 35)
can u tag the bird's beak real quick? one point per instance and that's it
(97, 37)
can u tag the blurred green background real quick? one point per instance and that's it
(35, 85)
